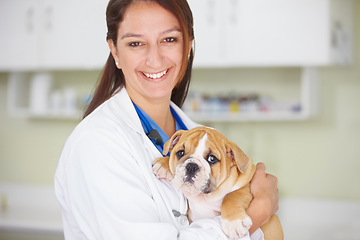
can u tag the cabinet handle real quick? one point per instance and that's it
(340, 43)
(211, 12)
(337, 35)
(48, 17)
(30, 20)
(234, 12)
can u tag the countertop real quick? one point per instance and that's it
(29, 208)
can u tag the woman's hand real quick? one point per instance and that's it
(263, 187)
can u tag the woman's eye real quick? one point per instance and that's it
(170, 40)
(212, 159)
(135, 44)
(180, 154)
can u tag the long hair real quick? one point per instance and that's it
(113, 78)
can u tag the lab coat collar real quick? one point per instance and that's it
(126, 108)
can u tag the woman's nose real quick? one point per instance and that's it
(155, 58)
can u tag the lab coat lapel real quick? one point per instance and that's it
(145, 156)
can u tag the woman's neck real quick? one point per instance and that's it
(161, 114)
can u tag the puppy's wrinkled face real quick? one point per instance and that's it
(199, 161)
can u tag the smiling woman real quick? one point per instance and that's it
(113, 78)
(104, 181)
(149, 53)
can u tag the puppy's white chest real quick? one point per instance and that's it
(203, 209)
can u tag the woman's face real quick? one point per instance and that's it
(149, 51)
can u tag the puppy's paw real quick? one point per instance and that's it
(237, 228)
(161, 172)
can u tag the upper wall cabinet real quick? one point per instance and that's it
(48, 34)
(272, 32)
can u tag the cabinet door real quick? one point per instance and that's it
(208, 28)
(278, 32)
(272, 32)
(19, 38)
(74, 34)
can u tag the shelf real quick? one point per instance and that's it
(29, 96)
(51, 116)
(20, 106)
(25, 113)
(248, 117)
(304, 109)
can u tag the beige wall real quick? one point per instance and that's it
(30, 148)
(319, 157)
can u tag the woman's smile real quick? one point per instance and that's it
(155, 76)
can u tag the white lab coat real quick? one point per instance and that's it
(106, 188)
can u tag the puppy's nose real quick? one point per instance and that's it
(191, 169)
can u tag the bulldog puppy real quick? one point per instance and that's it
(214, 174)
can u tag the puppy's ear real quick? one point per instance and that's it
(169, 145)
(238, 156)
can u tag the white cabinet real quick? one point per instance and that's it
(19, 38)
(210, 32)
(75, 34)
(272, 32)
(49, 34)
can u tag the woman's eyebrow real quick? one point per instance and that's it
(171, 30)
(135, 35)
(130, 35)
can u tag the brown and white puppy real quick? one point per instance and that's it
(214, 174)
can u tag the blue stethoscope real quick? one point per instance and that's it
(157, 136)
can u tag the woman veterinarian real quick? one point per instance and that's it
(104, 180)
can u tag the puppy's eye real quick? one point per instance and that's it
(212, 159)
(180, 153)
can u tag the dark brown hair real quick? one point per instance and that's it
(112, 78)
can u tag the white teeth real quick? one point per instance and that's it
(155, 75)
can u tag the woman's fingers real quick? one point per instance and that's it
(261, 166)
